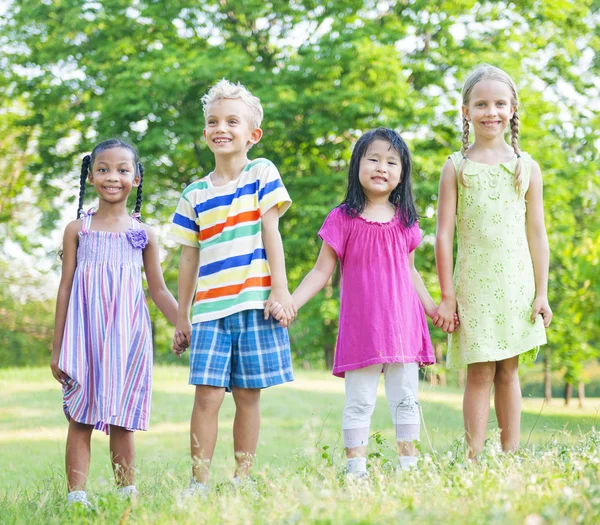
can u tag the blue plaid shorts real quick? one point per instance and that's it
(241, 350)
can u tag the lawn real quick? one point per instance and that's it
(556, 475)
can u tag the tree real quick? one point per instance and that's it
(325, 72)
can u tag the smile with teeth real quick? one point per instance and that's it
(221, 140)
(379, 178)
(111, 189)
(491, 123)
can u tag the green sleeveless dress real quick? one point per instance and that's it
(493, 275)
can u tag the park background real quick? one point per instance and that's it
(75, 72)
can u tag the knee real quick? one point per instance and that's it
(481, 375)
(506, 375)
(407, 409)
(246, 397)
(358, 408)
(208, 398)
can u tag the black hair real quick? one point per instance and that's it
(88, 162)
(401, 197)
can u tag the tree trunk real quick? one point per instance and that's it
(439, 359)
(568, 392)
(581, 393)
(547, 376)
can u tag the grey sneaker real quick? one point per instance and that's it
(128, 492)
(78, 497)
(246, 486)
(196, 489)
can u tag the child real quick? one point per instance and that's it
(382, 326)
(231, 262)
(494, 193)
(102, 348)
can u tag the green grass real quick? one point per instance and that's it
(556, 475)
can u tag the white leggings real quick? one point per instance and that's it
(401, 387)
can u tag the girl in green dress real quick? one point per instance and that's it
(492, 192)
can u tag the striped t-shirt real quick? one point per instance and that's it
(225, 223)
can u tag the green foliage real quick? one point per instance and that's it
(75, 72)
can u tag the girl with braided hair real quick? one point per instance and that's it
(102, 347)
(493, 193)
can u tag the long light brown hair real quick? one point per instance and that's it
(487, 72)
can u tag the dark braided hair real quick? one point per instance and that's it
(88, 162)
(138, 198)
(401, 197)
(85, 169)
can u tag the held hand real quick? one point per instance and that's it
(281, 302)
(182, 337)
(58, 374)
(446, 317)
(541, 307)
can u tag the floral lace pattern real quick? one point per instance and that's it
(493, 275)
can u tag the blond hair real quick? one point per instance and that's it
(224, 89)
(487, 72)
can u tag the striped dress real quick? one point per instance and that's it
(107, 343)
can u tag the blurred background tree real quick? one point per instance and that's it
(75, 72)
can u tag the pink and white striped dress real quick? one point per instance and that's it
(107, 343)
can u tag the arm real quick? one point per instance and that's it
(69, 263)
(317, 278)
(538, 245)
(424, 297)
(159, 293)
(276, 259)
(444, 243)
(189, 264)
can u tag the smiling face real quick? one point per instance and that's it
(380, 170)
(228, 130)
(114, 174)
(490, 108)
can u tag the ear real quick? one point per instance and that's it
(513, 110)
(255, 136)
(90, 177)
(204, 133)
(465, 112)
(136, 180)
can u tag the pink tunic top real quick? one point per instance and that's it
(381, 317)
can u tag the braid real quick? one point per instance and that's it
(514, 142)
(138, 199)
(85, 170)
(463, 150)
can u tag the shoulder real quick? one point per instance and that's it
(195, 188)
(261, 168)
(449, 170)
(152, 237)
(73, 228)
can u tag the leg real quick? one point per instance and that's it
(507, 401)
(476, 404)
(401, 389)
(77, 457)
(361, 394)
(204, 428)
(122, 455)
(246, 427)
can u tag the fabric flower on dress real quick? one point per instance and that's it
(137, 237)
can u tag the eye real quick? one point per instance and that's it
(124, 170)
(393, 163)
(233, 121)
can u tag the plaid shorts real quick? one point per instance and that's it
(241, 350)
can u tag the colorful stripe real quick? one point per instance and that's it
(224, 222)
(107, 342)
